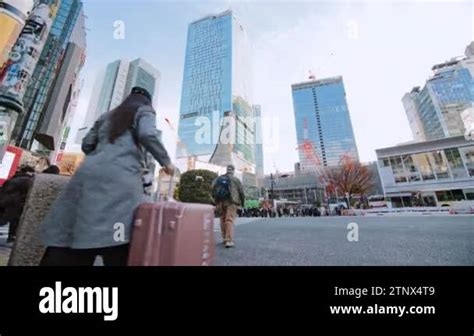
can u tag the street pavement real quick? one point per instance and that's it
(322, 241)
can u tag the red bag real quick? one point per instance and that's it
(170, 233)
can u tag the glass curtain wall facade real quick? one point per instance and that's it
(258, 142)
(107, 88)
(39, 90)
(442, 100)
(444, 174)
(323, 122)
(142, 74)
(114, 85)
(443, 164)
(215, 94)
(429, 115)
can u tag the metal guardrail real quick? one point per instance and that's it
(411, 211)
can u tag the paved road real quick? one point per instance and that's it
(403, 241)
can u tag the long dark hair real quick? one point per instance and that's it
(121, 118)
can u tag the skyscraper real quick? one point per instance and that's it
(257, 109)
(38, 93)
(114, 84)
(434, 112)
(323, 124)
(216, 110)
(57, 115)
(13, 14)
(411, 108)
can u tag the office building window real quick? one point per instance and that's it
(412, 170)
(450, 195)
(398, 170)
(441, 167)
(455, 162)
(468, 156)
(422, 160)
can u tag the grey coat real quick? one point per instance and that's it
(107, 188)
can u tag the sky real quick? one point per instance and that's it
(381, 48)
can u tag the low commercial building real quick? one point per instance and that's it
(430, 173)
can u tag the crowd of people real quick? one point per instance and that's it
(292, 211)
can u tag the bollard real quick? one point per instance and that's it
(28, 249)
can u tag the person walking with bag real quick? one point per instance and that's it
(228, 194)
(95, 212)
(13, 197)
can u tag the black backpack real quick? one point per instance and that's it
(221, 189)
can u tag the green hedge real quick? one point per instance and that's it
(195, 186)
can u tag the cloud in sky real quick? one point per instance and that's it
(381, 48)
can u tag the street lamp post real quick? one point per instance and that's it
(272, 184)
(16, 73)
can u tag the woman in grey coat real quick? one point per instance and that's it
(94, 214)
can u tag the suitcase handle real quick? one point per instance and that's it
(169, 197)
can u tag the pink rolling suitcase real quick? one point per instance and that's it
(170, 233)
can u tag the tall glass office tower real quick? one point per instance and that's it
(323, 124)
(115, 83)
(438, 106)
(216, 95)
(38, 92)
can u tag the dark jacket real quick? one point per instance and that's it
(13, 196)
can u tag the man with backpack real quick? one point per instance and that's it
(228, 194)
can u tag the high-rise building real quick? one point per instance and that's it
(13, 14)
(323, 124)
(257, 109)
(434, 112)
(142, 74)
(56, 118)
(38, 93)
(216, 110)
(411, 108)
(114, 84)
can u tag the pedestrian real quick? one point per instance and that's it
(228, 194)
(13, 197)
(93, 215)
(42, 164)
(53, 170)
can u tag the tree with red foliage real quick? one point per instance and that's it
(349, 178)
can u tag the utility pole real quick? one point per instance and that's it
(16, 73)
(272, 182)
